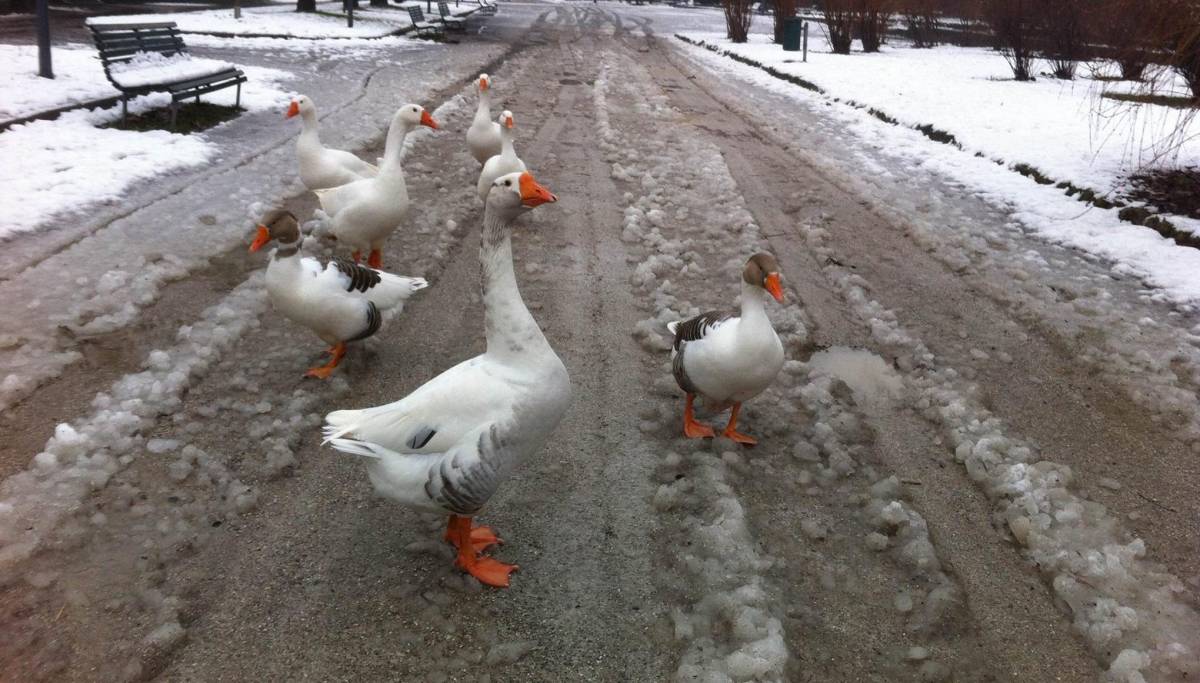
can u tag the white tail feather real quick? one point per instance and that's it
(672, 326)
(363, 448)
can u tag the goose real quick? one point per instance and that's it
(320, 166)
(365, 212)
(503, 163)
(447, 446)
(728, 358)
(483, 137)
(341, 301)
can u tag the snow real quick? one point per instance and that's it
(74, 160)
(1132, 250)
(1060, 127)
(149, 68)
(1120, 601)
(279, 21)
(78, 77)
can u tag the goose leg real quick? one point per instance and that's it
(356, 255)
(488, 570)
(691, 428)
(731, 431)
(326, 370)
(482, 537)
(375, 259)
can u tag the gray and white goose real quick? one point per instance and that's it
(729, 358)
(448, 445)
(341, 301)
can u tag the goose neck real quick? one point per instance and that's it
(510, 328)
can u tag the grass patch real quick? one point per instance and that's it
(1173, 191)
(1036, 175)
(192, 118)
(1176, 101)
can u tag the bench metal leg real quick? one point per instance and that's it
(174, 111)
(238, 101)
(124, 109)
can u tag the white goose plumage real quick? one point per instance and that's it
(320, 166)
(483, 137)
(726, 358)
(448, 445)
(365, 212)
(340, 301)
(503, 163)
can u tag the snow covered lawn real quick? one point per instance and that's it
(72, 161)
(1174, 271)
(280, 21)
(1059, 127)
(78, 77)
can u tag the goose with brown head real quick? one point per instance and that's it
(728, 358)
(341, 301)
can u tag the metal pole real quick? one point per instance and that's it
(237, 9)
(805, 41)
(45, 69)
(350, 15)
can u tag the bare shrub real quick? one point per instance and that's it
(920, 20)
(872, 19)
(784, 10)
(840, 19)
(1062, 33)
(738, 15)
(1124, 27)
(1013, 22)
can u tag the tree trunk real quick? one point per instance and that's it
(306, 5)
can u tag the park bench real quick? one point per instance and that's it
(451, 22)
(487, 7)
(144, 58)
(422, 26)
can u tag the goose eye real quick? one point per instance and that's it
(508, 183)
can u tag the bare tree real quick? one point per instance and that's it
(840, 19)
(1181, 22)
(306, 5)
(1012, 22)
(738, 15)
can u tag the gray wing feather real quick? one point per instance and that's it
(467, 477)
(690, 330)
(361, 277)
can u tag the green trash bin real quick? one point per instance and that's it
(792, 28)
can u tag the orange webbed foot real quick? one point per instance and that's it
(375, 259)
(695, 430)
(490, 571)
(739, 437)
(322, 372)
(356, 255)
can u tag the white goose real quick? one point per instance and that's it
(447, 446)
(320, 166)
(726, 358)
(503, 163)
(365, 212)
(342, 301)
(483, 137)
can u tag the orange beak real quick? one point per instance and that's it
(261, 238)
(293, 109)
(533, 194)
(483, 84)
(774, 287)
(508, 122)
(427, 120)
